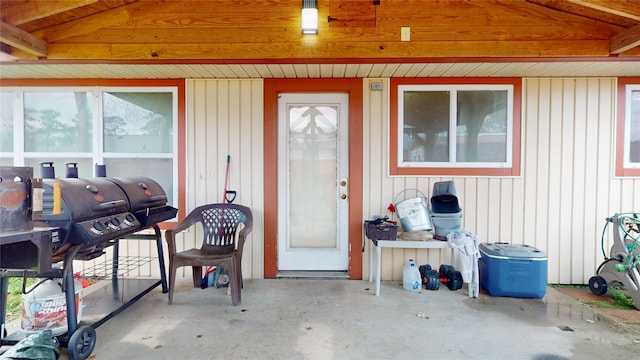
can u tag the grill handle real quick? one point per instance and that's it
(109, 205)
(156, 198)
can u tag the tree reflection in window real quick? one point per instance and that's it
(454, 126)
(139, 122)
(57, 122)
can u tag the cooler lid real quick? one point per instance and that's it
(511, 250)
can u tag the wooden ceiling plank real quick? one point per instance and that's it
(625, 8)
(625, 40)
(22, 40)
(33, 10)
(352, 13)
(113, 17)
(267, 7)
(208, 20)
(386, 34)
(354, 50)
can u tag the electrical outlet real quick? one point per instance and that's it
(405, 33)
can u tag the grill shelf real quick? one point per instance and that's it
(103, 301)
(125, 265)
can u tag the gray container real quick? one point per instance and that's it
(444, 199)
(446, 214)
(445, 223)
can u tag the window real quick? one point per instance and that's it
(131, 130)
(455, 127)
(628, 128)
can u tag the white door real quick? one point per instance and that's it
(313, 182)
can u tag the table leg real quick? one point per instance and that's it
(454, 258)
(378, 255)
(371, 262)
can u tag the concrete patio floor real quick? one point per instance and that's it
(342, 319)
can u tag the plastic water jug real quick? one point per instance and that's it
(405, 266)
(411, 277)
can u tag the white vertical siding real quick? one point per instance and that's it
(225, 117)
(559, 204)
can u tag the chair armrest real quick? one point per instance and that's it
(170, 234)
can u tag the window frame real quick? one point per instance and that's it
(176, 86)
(395, 167)
(625, 86)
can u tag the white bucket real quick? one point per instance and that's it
(45, 308)
(413, 213)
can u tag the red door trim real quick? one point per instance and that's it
(272, 87)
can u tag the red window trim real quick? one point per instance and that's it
(178, 83)
(621, 171)
(514, 170)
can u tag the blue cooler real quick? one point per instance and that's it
(514, 270)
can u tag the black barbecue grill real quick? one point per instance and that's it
(93, 212)
(81, 218)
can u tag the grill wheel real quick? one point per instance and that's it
(81, 343)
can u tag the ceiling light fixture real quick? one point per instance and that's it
(309, 17)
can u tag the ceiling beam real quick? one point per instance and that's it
(33, 10)
(20, 39)
(625, 40)
(625, 8)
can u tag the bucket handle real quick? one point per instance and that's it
(395, 199)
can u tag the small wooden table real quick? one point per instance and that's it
(402, 244)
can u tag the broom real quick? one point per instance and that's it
(210, 274)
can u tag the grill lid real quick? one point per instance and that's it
(76, 200)
(141, 192)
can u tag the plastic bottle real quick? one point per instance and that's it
(405, 266)
(411, 277)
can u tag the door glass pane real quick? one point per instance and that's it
(138, 122)
(57, 121)
(6, 122)
(426, 126)
(482, 126)
(313, 136)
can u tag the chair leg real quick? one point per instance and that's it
(172, 281)
(235, 283)
(240, 272)
(197, 276)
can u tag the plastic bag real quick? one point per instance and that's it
(38, 346)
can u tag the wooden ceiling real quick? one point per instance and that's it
(268, 31)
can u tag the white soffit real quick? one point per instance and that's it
(252, 71)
